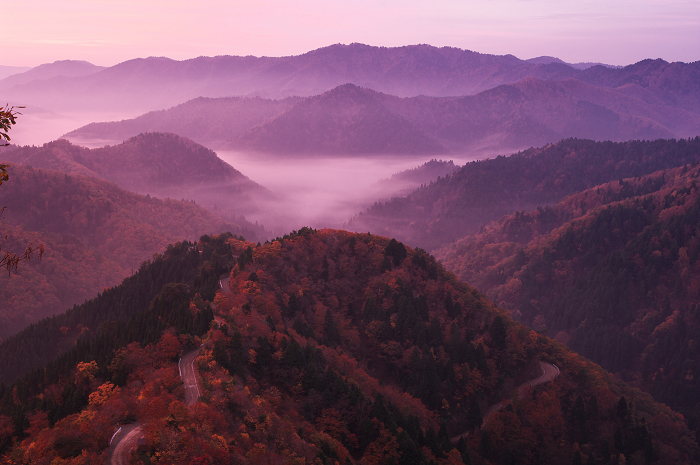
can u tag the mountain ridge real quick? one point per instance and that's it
(156, 83)
(353, 120)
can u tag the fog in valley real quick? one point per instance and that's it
(322, 191)
(315, 191)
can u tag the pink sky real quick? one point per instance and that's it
(106, 32)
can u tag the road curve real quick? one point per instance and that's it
(128, 437)
(123, 442)
(549, 372)
(224, 283)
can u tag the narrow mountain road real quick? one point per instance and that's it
(127, 437)
(549, 372)
(224, 285)
(189, 376)
(124, 441)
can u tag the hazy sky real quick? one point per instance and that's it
(107, 32)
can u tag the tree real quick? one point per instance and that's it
(8, 117)
(10, 260)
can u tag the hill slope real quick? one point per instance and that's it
(336, 347)
(483, 191)
(164, 165)
(612, 271)
(95, 235)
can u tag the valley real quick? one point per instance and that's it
(367, 255)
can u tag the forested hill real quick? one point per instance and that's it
(337, 348)
(613, 271)
(159, 164)
(95, 234)
(483, 191)
(137, 310)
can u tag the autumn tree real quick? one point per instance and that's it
(10, 260)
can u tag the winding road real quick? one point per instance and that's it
(189, 377)
(127, 437)
(549, 372)
(223, 282)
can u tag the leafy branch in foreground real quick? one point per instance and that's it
(8, 117)
(9, 260)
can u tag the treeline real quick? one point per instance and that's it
(483, 191)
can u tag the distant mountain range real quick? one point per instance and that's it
(164, 165)
(57, 69)
(6, 71)
(208, 121)
(545, 60)
(353, 120)
(157, 83)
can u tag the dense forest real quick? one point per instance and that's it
(198, 265)
(95, 234)
(483, 191)
(612, 271)
(332, 347)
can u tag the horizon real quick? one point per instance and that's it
(110, 33)
(342, 44)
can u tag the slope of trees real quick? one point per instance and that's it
(612, 271)
(336, 347)
(198, 265)
(159, 164)
(95, 235)
(483, 191)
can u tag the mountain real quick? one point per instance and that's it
(164, 165)
(207, 121)
(533, 112)
(345, 120)
(330, 347)
(6, 71)
(483, 191)
(353, 120)
(405, 182)
(57, 69)
(545, 60)
(156, 83)
(612, 271)
(95, 234)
